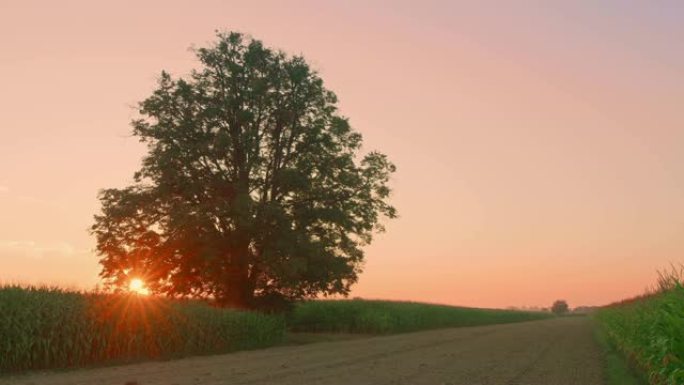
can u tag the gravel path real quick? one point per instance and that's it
(550, 352)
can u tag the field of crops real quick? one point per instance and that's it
(649, 331)
(51, 328)
(42, 328)
(363, 316)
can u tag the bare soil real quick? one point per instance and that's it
(550, 352)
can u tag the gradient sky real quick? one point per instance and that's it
(539, 146)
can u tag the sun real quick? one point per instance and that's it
(137, 286)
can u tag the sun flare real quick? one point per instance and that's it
(138, 286)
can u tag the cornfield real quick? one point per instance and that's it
(649, 330)
(384, 317)
(43, 328)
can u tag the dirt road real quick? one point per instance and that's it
(550, 352)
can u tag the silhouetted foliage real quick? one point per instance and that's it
(560, 307)
(252, 185)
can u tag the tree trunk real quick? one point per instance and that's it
(237, 292)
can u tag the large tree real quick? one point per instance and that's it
(252, 186)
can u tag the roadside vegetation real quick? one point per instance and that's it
(649, 330)
(51, 328)
(43, 328)
(384, 317)
(617, 370)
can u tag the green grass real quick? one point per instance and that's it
(617, 370)
(384, 317)
(43, 328)
(649, 331)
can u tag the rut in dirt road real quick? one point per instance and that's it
(550, 352)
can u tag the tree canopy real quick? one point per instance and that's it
(253, 185)
(560, 307)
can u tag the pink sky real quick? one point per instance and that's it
(539, 146)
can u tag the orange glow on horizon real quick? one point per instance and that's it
(137, 286)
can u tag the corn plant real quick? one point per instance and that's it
(649, 330)
(383, 317)
(44, 328)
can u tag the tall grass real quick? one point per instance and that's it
(382, 317)
(44, 328)
(649, 330)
